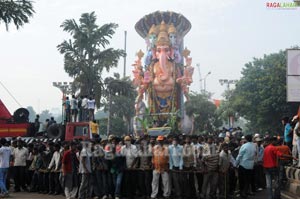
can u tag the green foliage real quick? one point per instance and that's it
(122, 96)
(45, 114)
(118, 126)
(146, 121)
(204, 111)
(227, 109)
(173, 121)
(86, 54)
(260, 95)
(32, 113)
(15, 11)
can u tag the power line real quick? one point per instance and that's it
(10, 94)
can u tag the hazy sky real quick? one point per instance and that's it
(225, 35)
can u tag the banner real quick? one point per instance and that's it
(293, 75)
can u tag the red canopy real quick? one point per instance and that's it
(217, 102)
(4, 113)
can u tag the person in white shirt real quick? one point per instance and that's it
(54, 168)
(84, 108)
(74, 108)
(91, 107)
(259, 174)
(85, 169)
(210, 160)
(224, 165)
(130, 152)
(5, 153)
(20, 155)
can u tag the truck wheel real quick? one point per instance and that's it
(55, 131)
(21, 115)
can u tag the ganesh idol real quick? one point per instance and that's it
(164, 79)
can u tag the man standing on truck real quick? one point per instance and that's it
(84, 108)
(94, 129)
(37, 124)
(67, 109)
(74, 108)
(91, 107)
(52, 121)
(79, 110)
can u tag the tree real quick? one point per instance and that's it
(45, 114)
(32, 113)
(15, 11)
(260, 95)
(86, 54)
(119, 98)
(226, 109)
(204, 111)
(117, 128)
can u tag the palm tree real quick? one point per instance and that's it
(86, 55)
(15, 11)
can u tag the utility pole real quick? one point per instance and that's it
(200, 79)
(204, 79)
(227, 82)
(65, 88)
(109, 113)
(125, 43)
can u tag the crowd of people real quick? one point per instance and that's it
(79, 109)
(225, 164)
(176, 166)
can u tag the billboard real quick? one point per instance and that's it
(293, 75)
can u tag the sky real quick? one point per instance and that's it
(225, 35)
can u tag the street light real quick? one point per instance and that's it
(65, 88)
(200, 79)
(227, 82)
(204, 80)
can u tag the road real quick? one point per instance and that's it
(25, 195)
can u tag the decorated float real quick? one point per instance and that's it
(162, 75)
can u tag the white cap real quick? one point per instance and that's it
(227, 134)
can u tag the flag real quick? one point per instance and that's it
(217, 102)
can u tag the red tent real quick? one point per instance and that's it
(4, 113)
(217, 102)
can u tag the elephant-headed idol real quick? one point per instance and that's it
(164, 77)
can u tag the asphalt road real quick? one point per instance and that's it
(25, 195)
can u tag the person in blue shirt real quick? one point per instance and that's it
(245, 161)
(67, 106)
(176, 165)
(288, 132)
